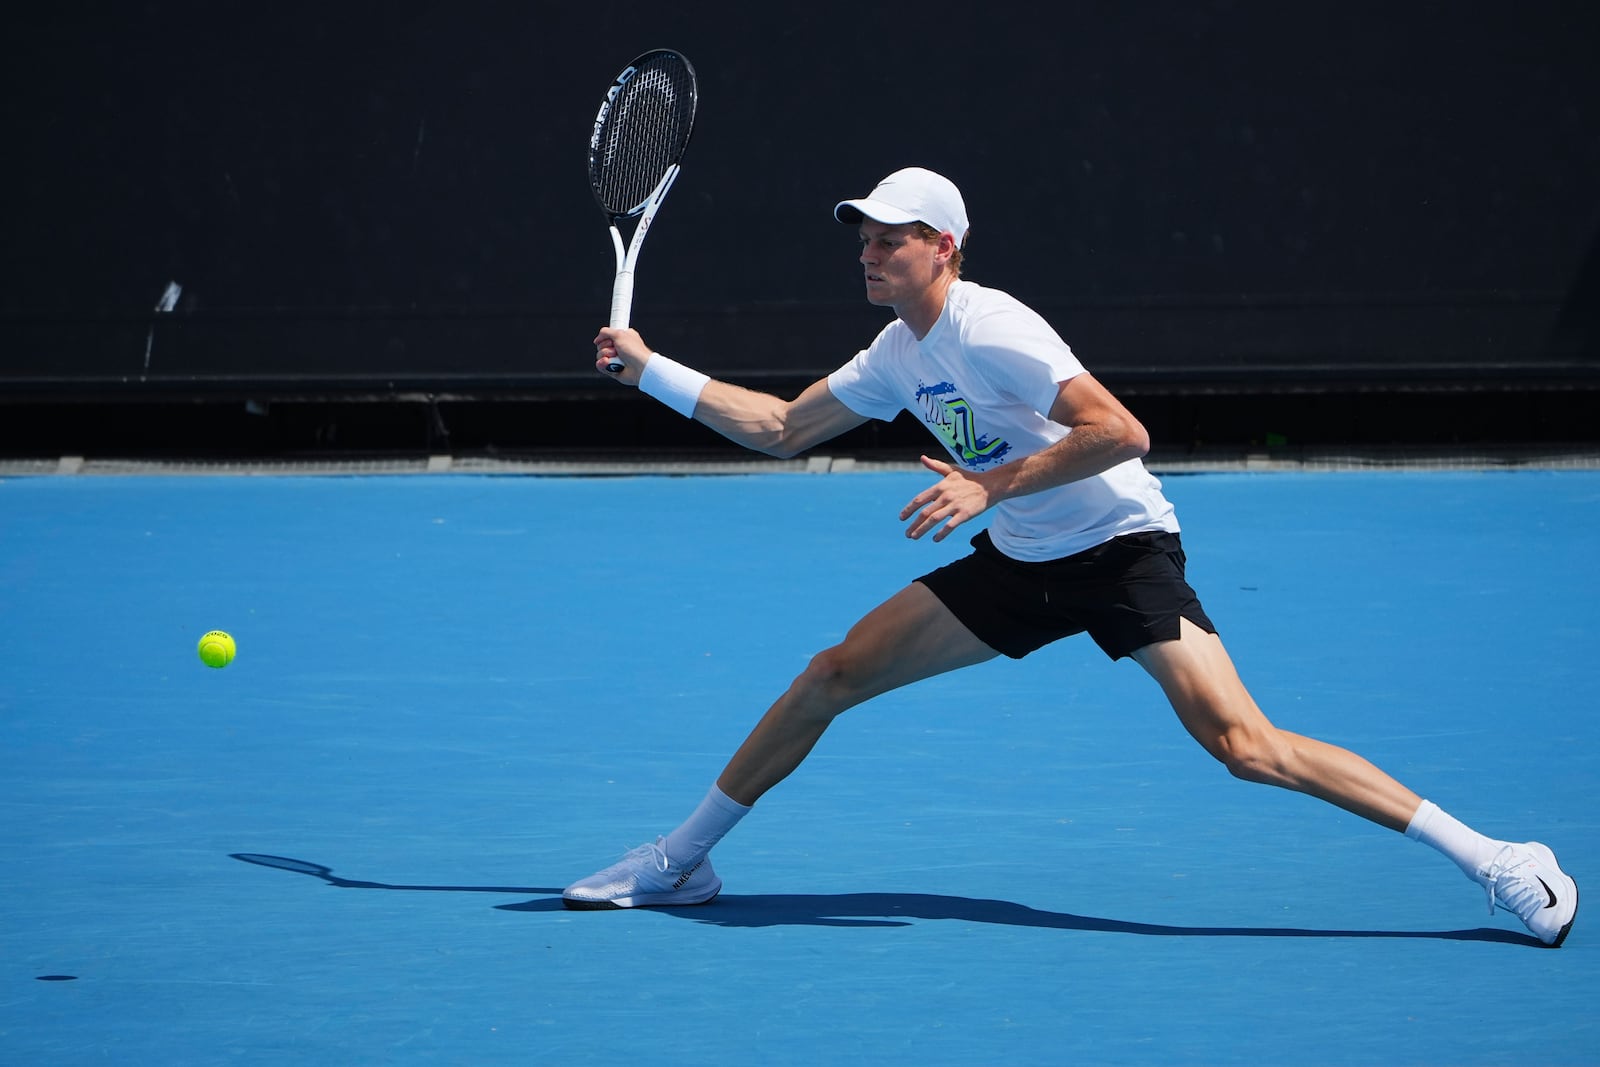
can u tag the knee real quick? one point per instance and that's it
(1263, 756)
(830, 682)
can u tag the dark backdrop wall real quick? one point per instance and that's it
(375, 198)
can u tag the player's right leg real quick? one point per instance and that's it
(909, 637)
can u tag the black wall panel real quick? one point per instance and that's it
(376, 198)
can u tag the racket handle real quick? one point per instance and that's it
(621, 308)
(622, 300)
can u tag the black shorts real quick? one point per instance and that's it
(1126, 593)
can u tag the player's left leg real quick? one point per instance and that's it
(1205, 690)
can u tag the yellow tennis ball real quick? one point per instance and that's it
(217, 649)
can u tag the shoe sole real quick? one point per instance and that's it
(673, 900)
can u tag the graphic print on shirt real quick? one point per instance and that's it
(951, 418)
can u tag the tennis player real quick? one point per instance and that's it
(1080, 539)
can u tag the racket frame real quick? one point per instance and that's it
(627, 256)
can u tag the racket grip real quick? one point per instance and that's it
(621, 308)
(621, 299)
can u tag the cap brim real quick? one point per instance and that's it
(852, 211)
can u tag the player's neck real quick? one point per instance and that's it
(921, 313)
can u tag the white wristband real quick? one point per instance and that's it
(672, 383)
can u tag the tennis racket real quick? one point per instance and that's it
(639, 136)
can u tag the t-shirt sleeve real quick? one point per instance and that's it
(861, 385)
(1020, 354)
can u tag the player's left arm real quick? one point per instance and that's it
(1104, 434)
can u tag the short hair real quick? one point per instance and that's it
(923, 230)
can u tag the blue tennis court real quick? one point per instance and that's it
(455, 694)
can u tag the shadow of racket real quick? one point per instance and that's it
(317, 870)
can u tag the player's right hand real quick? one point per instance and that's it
(613, 346)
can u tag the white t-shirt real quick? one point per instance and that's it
(983, 381)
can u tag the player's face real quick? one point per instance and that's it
(899, 263)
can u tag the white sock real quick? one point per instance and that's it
(717, 814)
(1465, 847)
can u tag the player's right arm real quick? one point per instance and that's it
(758, 421)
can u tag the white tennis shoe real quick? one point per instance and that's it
(644, 878)
(1524, 880)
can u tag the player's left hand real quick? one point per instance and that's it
(957, 496)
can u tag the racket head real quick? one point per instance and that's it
(641, 130)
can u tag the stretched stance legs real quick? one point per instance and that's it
(913, 636)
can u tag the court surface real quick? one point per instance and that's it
(455, 694)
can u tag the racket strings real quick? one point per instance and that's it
(644, 132)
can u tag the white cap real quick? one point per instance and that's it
(911, 195)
